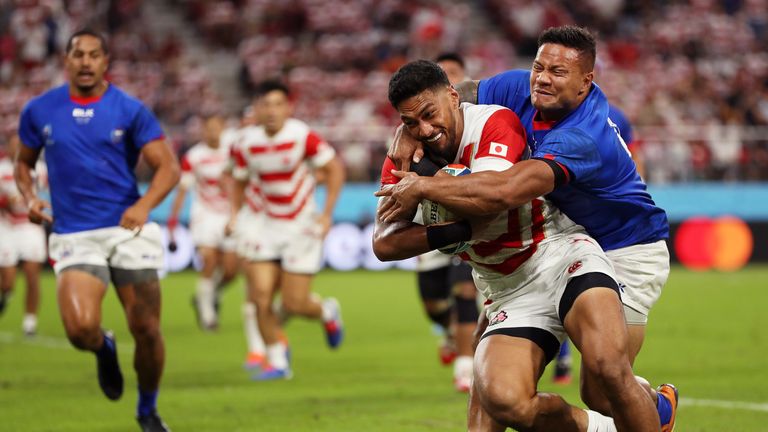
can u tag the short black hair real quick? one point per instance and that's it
(267, 86)
(415, 77)
(88, 32)
(450, 56)
(570, 36)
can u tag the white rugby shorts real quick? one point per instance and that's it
(21, 242)
(208, 229)
(641, 271)
(527, 303)
(114, 247)
(296, 244)
(248, 231)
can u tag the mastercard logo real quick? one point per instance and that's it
(724, 243)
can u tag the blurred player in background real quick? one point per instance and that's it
(202, 169)
(446, 288)
(249, 220)
(281, 153)
(542, 274)
(22, 241)
(93, 134)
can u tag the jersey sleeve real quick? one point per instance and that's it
(509, 89)
(238, 162)
(572, 149)
(502, 142)
(145, 128)
(28, 131)
(387, 178)
(318, 151)
(187, 175)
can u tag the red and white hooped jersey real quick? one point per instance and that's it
(201, 169)
(283, 164)
(494, 140)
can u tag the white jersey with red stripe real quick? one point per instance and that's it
(201, 170)
(283, 165)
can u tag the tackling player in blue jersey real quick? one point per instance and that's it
(93, 134)
(581, 164)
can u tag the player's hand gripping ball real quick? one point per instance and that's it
(435, 214)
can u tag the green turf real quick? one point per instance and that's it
(707, 335)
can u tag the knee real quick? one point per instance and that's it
(611, 371)
(145, 329)
(83, 335)
(293, 305)
(508, 407)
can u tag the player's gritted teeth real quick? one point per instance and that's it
(434, 139)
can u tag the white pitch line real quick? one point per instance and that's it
(731, 405)
(44, 341)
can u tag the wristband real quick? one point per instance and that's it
(439, 236)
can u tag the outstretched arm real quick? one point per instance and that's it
(477, 194)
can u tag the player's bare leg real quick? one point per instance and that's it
(478, 420)
(205, 293)
(295, 290)
(79, 295)
(142, 303)
(590, 389)
(597, 328)
(7, 278)
(466, 320)
(263, 279)
(31, 271)
(297, 299)
(507, 370)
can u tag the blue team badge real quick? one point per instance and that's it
(117, 135)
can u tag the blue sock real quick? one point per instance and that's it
(147, 402)
(664, 407)
(107, 347)
(565, 351)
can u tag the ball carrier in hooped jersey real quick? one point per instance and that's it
(93, 134)
(282, 153)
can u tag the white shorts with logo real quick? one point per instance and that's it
(527, 302)
(248, 231)
(21, 242)
(208, 229)
(297, 244)
(641, 271)
(113, 247)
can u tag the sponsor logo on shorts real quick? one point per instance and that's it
(498, 318)
(621, 287)
(575, 266)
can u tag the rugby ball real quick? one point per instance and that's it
(434, 213)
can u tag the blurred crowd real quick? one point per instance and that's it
(692, 75)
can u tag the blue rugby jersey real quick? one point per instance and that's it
(604, 193)
(91, 149)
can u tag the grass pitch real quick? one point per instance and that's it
(708, 335)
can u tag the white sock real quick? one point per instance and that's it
(277, 356)
(205, 296)
(599, 423)
(462, 367)
(252, 335)
(330, 308)
(29, 323)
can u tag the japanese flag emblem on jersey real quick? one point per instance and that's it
(498, 149)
